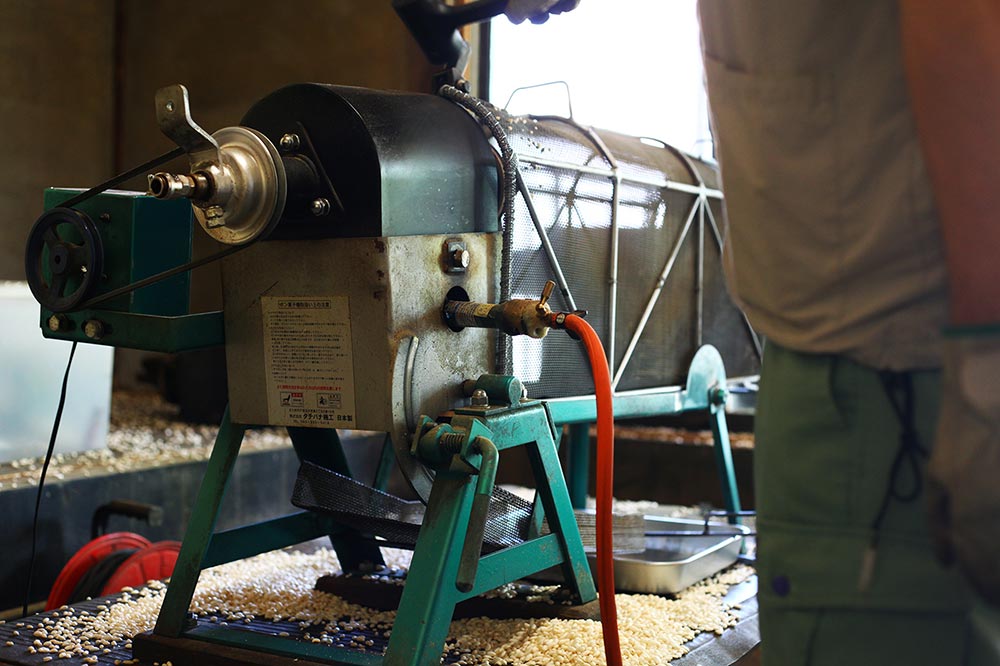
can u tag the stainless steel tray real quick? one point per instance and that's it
(671, 563)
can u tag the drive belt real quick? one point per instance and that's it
(158, 277)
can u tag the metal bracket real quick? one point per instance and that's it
(173, 115)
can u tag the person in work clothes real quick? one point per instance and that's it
(859, 145)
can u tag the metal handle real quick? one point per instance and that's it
(150, 514)
(473, 546)
(434, 25)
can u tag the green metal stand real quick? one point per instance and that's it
(201, 525)
(432, 588)
(447, 565)
(578, 442)
(441, 575)
(705, 391)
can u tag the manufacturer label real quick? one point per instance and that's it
(308, 361)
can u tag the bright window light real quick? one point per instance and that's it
(632, 67)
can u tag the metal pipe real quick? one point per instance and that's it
(616, 186)
(699, 287)
(411, 357)
(758, 347)
(164, 185)
(628, 404)
(546, 243)
(709, 192)
(655, 295)
(613, 274)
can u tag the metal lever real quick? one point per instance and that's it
(173, 115)
(469, 562)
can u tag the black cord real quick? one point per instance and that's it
(898, 388)
(97, 576)
(41, 479)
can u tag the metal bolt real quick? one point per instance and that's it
(58, 322)
(452, 442)
(456, 257)
(524, 393)
(460, 259)
(718, 396)
(320, 207)
(213, 217)
(289, 142)
(105, 217)
(480, 399)
(93, 329)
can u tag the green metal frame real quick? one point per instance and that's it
(142, 331)
(705, 391)
(141, 236)
(433, 584)
(439, 575)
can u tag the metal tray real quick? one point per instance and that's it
(671, 563)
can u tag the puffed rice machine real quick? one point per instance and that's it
(392, 262)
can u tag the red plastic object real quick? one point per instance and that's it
(91, 553)
(605, 481)
(151, 563)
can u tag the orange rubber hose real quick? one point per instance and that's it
(605, 481)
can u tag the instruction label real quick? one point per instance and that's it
(308, 361)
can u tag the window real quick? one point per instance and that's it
(632, 67)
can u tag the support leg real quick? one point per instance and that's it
(430, 594)
(552, 491)
(321, 446)
(579, 463)
(200, 528)
(386, 462)
(724, 460)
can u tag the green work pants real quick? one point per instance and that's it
(826, 437)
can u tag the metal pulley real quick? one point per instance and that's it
(237, 181)
(63, 259)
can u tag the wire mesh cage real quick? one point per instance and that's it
(631, 230)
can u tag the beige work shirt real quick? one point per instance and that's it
(833, 243)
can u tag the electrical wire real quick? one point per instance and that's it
(605, 483)
(485, 113)
(41, 479)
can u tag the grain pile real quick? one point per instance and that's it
(279, 587)
(144, 432)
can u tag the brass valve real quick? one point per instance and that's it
(519, 316)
